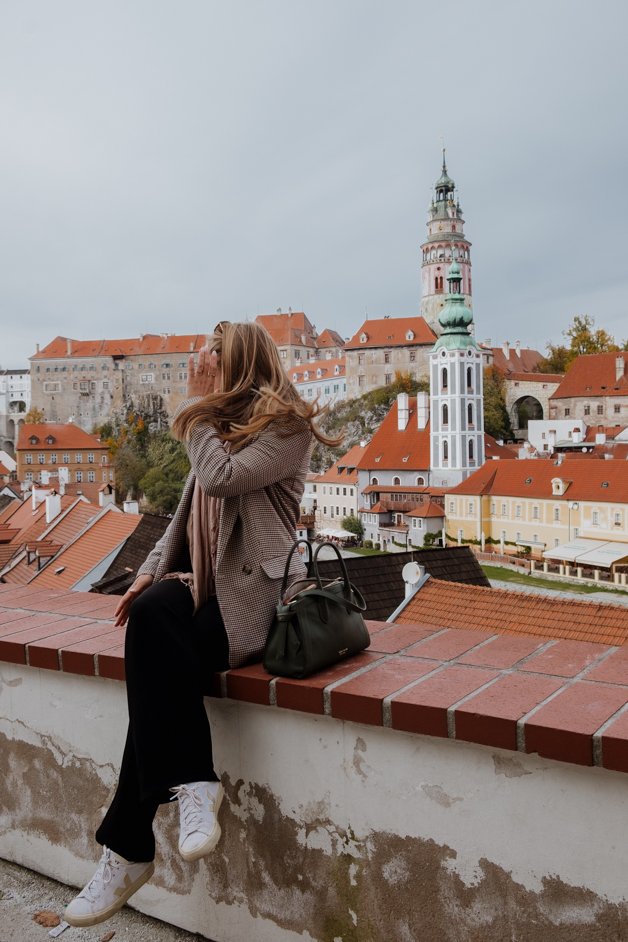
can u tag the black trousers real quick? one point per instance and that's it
(170, 654)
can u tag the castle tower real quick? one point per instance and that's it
(445, 243)
(457, 413)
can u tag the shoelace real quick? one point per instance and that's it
(102, 876)
(190, 807)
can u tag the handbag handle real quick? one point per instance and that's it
(310, 563)
(345, 574)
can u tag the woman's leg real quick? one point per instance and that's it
(170, 654)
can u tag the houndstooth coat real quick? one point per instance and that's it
(260, 489)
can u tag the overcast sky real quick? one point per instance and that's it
(167, 164)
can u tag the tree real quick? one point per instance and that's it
(169, 467)
(496, 418)
(130, 468)
(583, 339)
(353, 525)
(34, 416)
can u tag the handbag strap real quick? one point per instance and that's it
(356, 602)
(345, 574)
(310, 563)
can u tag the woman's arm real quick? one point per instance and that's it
(271, 457)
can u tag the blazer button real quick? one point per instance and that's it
(247, 570)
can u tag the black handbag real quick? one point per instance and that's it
(319, 624)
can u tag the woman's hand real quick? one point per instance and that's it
(202, 376)
(121, 613)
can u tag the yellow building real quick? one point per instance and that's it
(541, 504)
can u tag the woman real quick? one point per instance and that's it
(203, 600)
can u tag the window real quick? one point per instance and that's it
(471, 506)
(361, 380)
(576, 532)
(535, 513)
(567, 411)
(41, 459)
(360, 359)
(617, 519)
(324, 511)
(387, 357)
(595, 518)
(445, 452)
(492, 506)
(103, 459)
(374, 481)
(396, 482)
(91, 476)
(556, 514)
(104, 475)
(90, 458)
(471, 452)
(412, 356)
(617, 408)
(587, 409)
(600, 409)
(518, 511)
(445, 414)
(78, 457)
(469, 379)
(470, 414)
(53, 459)
(444, 377)
(79, 477)
(29, 475)
(29, 459)
(147, 378)
(420, 481)
(417, 523)
(387, 379)
(503, 510)
(105, 384)
(452, 506)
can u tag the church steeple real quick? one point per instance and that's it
(445, 243)
(456, 391)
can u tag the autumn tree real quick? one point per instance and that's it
(583, 338)
(496, 418)
(34, 416)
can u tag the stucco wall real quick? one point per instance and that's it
(332, 831)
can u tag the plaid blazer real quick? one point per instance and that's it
(260, 488)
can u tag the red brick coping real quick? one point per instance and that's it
(565, 700)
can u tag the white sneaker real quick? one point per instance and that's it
(108, 890)
(198, 809)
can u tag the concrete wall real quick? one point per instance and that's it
(332, 831)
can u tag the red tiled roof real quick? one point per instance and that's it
(610, 431)
(351, 458)
(602, 481)
(329, 338)
(594, 375)
(454, 605)
(428, 509)
(146, 345)
(65, 435)
(3, 469)
(327, 368)
(389, 446)
(9, 510)
(336, 474)
(101, 537)
(492, 449)
(391, 332)
(403, 489)
(522, 361)
(536, 377)
(288, 328)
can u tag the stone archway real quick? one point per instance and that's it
(524, 409)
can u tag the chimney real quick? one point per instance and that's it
(37, 495)
(53, 506)
(576, 436)
(600, 438)
(68, 347)
(105, 496)
(37, 348)
(403, 411)
(422, 410)
(620, 367)
(131, 507)
(517, 347)
(506, 349)
(191, 346)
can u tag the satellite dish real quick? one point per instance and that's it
(411, 573)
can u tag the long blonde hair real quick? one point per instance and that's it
(255, 391)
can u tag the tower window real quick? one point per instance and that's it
(445, 452)
(470, 414)
(469, 379)
(445, 414)
(471, 451)
(444, 377)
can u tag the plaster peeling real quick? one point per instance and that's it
(436, 793)
(395, 870)
(14, 682)
(60, 750)
(353, 870)
(358, 762)
(509, 766)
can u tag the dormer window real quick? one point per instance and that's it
(364, 337)
(50, 440)
(33, 440)
(410, 335)
(558, 487)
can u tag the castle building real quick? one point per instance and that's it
(445, 243)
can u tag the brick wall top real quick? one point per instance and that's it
(565, 700)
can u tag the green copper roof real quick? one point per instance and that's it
(455, 317)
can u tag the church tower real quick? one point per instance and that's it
(445, 243)
(456, 399)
